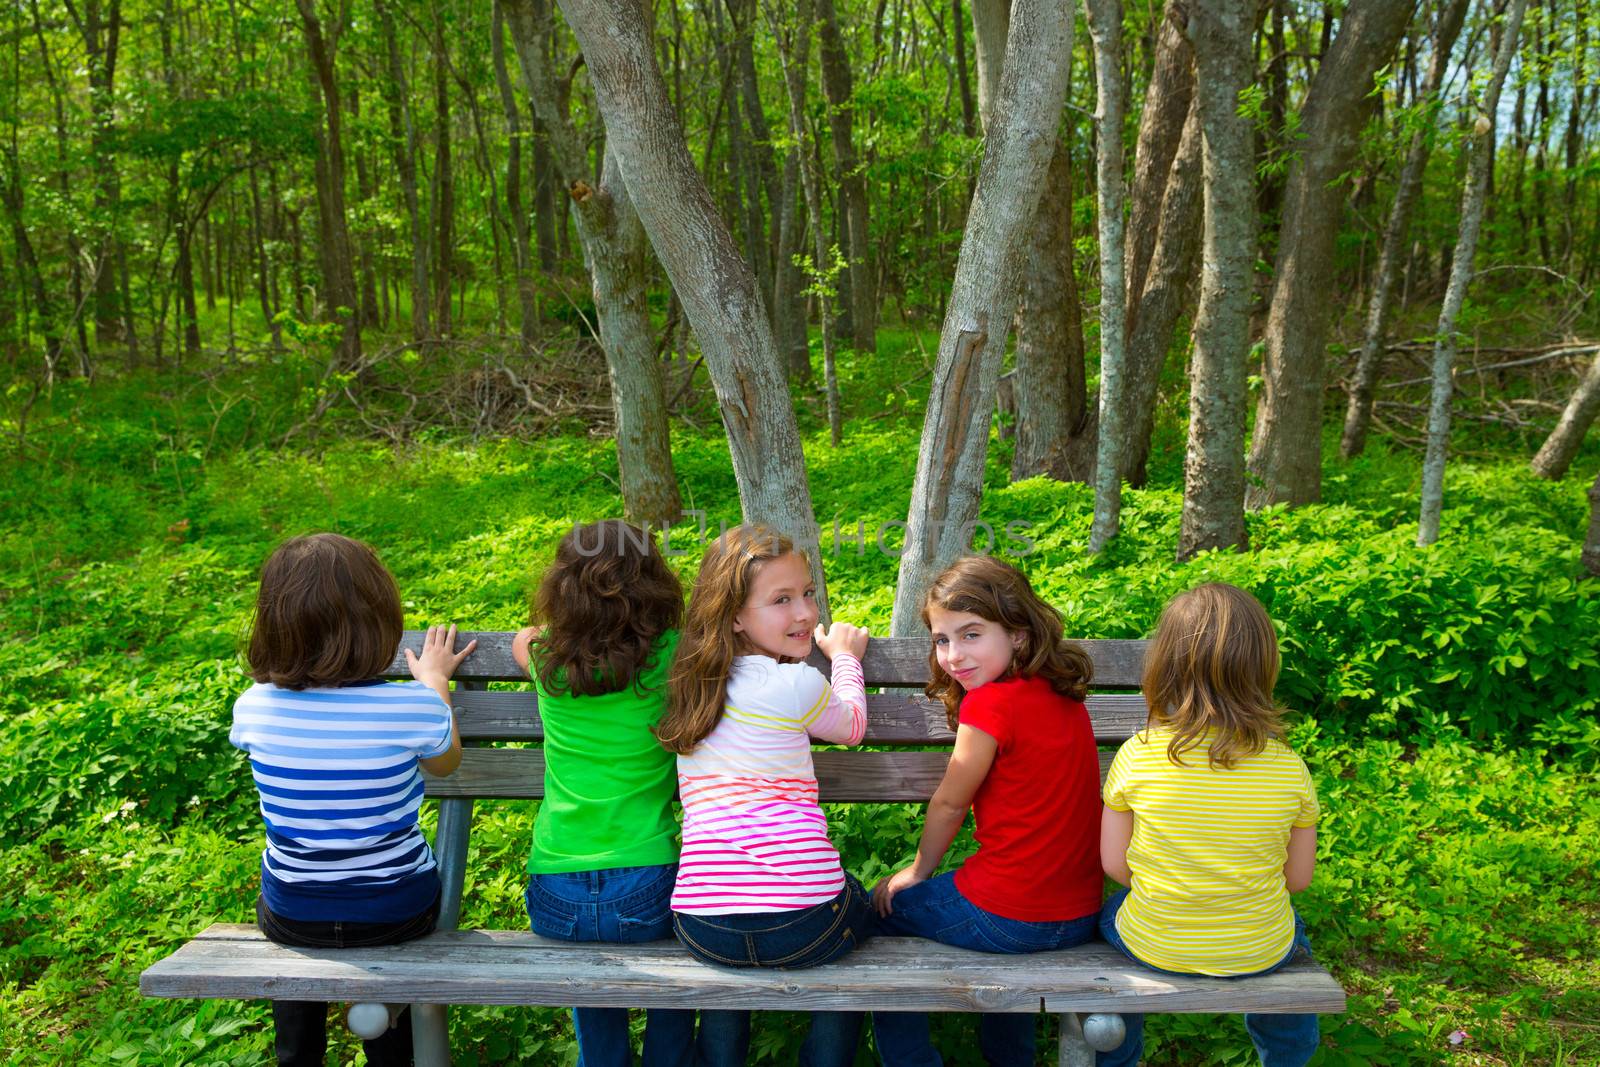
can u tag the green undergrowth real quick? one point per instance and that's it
(1445, 697)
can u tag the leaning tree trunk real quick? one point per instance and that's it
(1555, 456)
(527, 300)
(616, 253)
(1591, 544)
(955, 438)
(1396, 238)
(1055, 429)
(1444, 345)
(338, 266)
(1286, 449)
(703, 262)
(1163, 232)
(1105, 27)
(835, 62)
(1213, 471)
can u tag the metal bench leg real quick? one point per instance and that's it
(1080, 1038)
(430, 1023)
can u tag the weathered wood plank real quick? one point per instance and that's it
(516, 967)
(842, 776)
(892, 718)
(890, 661)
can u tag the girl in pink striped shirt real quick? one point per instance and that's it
(759, 883)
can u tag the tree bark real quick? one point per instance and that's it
(444, 189)
(1555, 456)
(403, 135)
(11, 192)
(1163, 233)
(101, 36)
(1213, 492)
(788, 301)
(1444, 347)
(716, 286)
(338, 269)
(615, 250)
(1286, 451)
(1396, 235)
(836, 86)
(1105, 27)
(1019, 141)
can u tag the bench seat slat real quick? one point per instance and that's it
(842, 776)
(892, 718)
(514, 967)
(897, 661)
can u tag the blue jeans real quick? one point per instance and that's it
(621, 905)
(1280, 1040)
(787, 940)
(935, 909)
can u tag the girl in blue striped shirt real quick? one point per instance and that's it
(335, 752)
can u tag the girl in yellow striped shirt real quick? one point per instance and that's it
(1209, 818)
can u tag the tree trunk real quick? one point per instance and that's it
(101, 37)
(1444, 345)
(11, 191)
(955, 440)
(1591, 544)
(1163, 233)
(1396, 235)
(526, 298)
(1105, 27)
(836, 86)
(1286, 451)
(1562, 445)
(365, 190)
(718, 290)
(1213, 470)
(444, 189)
(403, 135)
(788, 300)
(1055, 429)
(338, 270)
(615, 251)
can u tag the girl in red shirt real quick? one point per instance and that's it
(1025, 763)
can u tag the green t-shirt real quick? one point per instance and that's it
(608, 783)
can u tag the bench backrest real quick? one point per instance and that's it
(894, 719)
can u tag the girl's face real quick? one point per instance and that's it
(781, 611)
(970, 648)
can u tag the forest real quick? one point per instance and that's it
(1296, 294)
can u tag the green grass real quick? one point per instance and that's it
(1448, 700)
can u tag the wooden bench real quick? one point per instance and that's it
(455, 966)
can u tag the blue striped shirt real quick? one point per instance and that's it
(340, 788)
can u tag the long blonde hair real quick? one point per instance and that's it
(698, 685)
(995, 590)
(1212, 664)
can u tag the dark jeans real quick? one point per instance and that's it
(1280, 1040)
(788, 940)
(301, 1027)
(935, 909)
(618, 906)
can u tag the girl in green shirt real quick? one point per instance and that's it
(605, 842)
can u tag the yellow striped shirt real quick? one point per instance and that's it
(1207, 854)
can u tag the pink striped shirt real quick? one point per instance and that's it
(754, 837)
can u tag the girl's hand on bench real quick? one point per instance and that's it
(843, 637)
(439, 659)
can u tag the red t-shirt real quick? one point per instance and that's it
(1038, 810)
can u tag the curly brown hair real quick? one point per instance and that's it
(1212, 665)
(995, 590)
(327, 614)
(699, 682)
(603, 605)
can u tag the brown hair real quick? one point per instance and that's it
(1212, 663)
(327, 614)
(995, 590)
(699, 681)
(604, 602)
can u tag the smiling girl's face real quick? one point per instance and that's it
(781, 611)
(970, 648)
